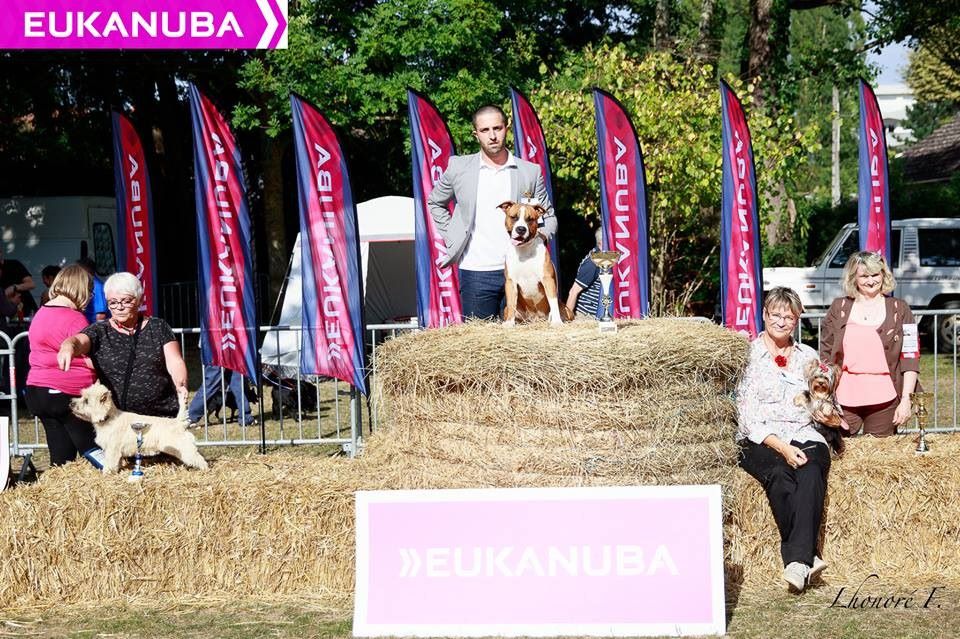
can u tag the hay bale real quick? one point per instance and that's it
(572, 360)
(614, 454)
(888, 512)
(469, 406)
(537, 405)
(260, 526)
(678, 413)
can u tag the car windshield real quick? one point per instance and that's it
(829, 250)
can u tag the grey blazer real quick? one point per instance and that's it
(459, 182)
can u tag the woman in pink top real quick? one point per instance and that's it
(873, 338)
(49, 389)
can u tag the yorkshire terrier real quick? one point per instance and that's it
(820, 402)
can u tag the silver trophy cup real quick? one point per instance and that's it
(137, 473)
(919, 402)
(605, 261)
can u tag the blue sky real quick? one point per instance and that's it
(892, 61)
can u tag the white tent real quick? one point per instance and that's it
(389, 278)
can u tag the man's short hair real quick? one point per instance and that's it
(88, 264)
(485, 109)
(50, 271)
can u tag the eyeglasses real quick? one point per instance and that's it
(776, 318)
(124, 303)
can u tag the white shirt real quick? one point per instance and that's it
(487, 248)
(765, 397)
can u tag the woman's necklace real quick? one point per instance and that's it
(869, 311)
(126, 330)
(780, 355)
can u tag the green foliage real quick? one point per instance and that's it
(923, 118)
(825, 54)
(938, 199)
(934, 72)
(914, 20)
(675, 108)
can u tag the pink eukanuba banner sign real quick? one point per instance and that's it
(606, 561)
(143, 24)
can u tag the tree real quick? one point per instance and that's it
(934, 73)
(796, 52)
(675, 108)
(916, 21)
(356, 64)
(355, 61)
(55, 128)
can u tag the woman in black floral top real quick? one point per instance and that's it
(136, 357)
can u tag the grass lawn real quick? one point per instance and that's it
(941, 374)
(775, 615)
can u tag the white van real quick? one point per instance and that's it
(41, 231)
(925, 259)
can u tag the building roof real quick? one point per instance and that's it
(936, 157)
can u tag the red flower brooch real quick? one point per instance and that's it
(781, 361)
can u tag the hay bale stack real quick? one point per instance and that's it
(888, 512)
(481, 405)
(260, 526)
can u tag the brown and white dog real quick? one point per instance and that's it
(820, 401)
(531, 280)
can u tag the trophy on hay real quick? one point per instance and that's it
(137, 473)
(605, 261)
(919, 402)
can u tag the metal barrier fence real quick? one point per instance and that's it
(179, 303)
(302, 411)
(944, 382)
(328, 412)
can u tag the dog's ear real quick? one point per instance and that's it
(810, 369)
(103, 396)
(505, 206)
(540, 210)
(835, 376)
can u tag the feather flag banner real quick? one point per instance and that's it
(873, 184)
(438, 287)
(530, 144)
(741, 286)
(227, 314)
(332, 330)
(623, 206)
(136, 248)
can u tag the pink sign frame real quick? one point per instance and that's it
(538, 562)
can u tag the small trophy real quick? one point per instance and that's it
(919, 402)
(605, 261)
(137, 473)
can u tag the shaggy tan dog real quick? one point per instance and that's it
(116, 438)
(820, 400)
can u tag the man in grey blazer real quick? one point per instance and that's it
(475, 234)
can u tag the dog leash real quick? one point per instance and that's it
(133, 354)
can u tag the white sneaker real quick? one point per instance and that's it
(795, 574)
(819, 565)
